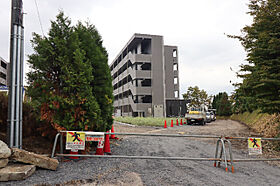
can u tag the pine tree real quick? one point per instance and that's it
(102, 84)
(222, 104)
(62, 83)
(261, 40)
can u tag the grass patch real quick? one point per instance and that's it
(222, 117)
(265, 124)
(148, 121)
(268, 125)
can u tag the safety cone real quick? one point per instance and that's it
(74, 152)
(99, 149)
(171, 123)
(113, 135)
(177, 123)
(165, 125)
(107, 148)
(181, 122)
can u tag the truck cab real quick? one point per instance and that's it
(196, 115)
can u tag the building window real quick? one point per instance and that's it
(2, 75)
(4, 65)
(176, 93)
(175, 80)
(174, 53)
(175, 67)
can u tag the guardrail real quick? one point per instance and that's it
(223, 144)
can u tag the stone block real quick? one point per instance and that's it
(4, 162)
(5, 152)
(34, 159)
(16, 172)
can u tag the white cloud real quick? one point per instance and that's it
(196, 27)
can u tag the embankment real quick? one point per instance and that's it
(267, 125)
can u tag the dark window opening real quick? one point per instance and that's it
(2, 75)
(146, 46)
(146, 83)
(147, 99)
(146, 66)
(3, 64)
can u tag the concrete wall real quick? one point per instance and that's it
(170, 73)
(158, 89)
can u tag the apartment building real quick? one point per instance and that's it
(146, 77)
(4, 69)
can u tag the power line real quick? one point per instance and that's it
(38, 14)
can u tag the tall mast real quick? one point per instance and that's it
(16, 76)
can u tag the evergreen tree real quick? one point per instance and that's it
(222, 104)
(62, 83)
(102, 84)
(261, 40)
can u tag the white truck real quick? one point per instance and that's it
(196, 115)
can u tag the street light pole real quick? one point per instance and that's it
(16, 76)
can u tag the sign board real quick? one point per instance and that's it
(75, 140)
(254, 146)
(94, 138)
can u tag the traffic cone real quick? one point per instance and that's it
(74, 152)
(99, 149)
(107, 148)
(113, 135)
(165, 125)
(177, 123)
(181, 122)
(171, 123)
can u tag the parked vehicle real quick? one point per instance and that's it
(213, 117)
(208, 117)
(196, 116)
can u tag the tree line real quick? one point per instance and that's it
(260, 86)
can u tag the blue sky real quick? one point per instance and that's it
(198, 28)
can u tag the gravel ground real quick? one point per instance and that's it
(163, 172)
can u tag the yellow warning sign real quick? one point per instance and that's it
(254, 146)
(75, 140)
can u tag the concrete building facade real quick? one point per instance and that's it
(145, 75)
(4, 70)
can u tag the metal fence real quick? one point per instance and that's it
(223, 149)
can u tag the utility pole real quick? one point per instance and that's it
(16, 76)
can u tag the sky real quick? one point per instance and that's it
(207, 57)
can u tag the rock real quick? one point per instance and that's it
(5, 152)
(35, 159)
(4, 162)
(16, 172)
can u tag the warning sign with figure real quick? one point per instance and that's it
(254, 146)
(75, 140)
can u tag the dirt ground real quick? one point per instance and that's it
(226, 128)
(119, 171)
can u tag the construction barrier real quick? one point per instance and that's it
(223, 148)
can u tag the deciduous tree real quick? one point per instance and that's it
(197, 97)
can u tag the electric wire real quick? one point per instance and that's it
(38, 14)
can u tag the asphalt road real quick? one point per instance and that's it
(163, 172)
